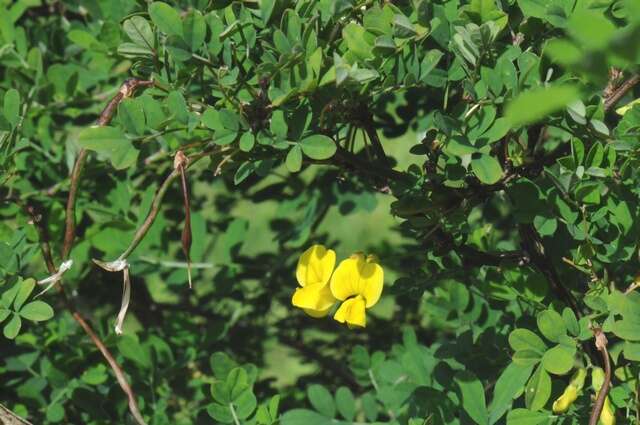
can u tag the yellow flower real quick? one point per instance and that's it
(607, 416)
(567, 398)
(313, 273)
(570, 393)
(358, 283)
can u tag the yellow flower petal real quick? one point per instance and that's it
(317, 313)
(352, 312)
(316, 297)
(607, 416)
(372, 280)
(567, 398)
(358, 276)
(315, 265)
(345, 280)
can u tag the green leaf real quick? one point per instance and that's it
(559, 360)
(294, 159)
(527, 417)
(82, 39)
(232, 388)
(536, 104)
(358, 41)
(12, 106)
(237, 383)
(194, 29)
(304, 416)
(25, 288)
(221, 364)
(101, 139)
(12, 327)
(481, 11)
(627, 328)
(498, 130)
(346, 403)
(509, 386)
(131, 349)
(178, 106)
(166, 18)
(266, 9)
(95, 375)
(244, 170)
(538, 389)
(139, 31)
(591, 29)
(486, 168)
(132, 50)
(524, 339)
(526, 357)
(220, 413)
(245, 404)
(473, 401)
(55, 412)
(551, 325)
(37, 311)
(247, 141)
(131, 115)
(321, 400)
(7, 29)
(402, 26)
(460, 146)
(571, 321)
(110, 142)
(9, 295)
(318, 146)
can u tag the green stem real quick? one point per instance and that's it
(233, 413)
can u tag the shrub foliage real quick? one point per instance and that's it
(484, 151)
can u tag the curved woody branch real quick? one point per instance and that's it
(126, 90)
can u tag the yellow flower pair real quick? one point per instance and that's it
(357, 282)
(570, 394)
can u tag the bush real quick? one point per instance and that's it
(193, 191)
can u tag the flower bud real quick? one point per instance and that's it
(608, 415)
(570, 393)
(567, 398)
(577, 380)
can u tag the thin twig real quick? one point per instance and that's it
(126, 90)
(155, 205)
(601, 345)
(48, 259)
(532, 245)
(180, 163)
(619, 93)
(70, 214)
(376, 144)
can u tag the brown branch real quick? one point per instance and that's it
(155, 205)
(70, 214)
(601, 345)
(48, 258)
(115, 367)
(619, 93)
(532, 244)
(376, 143)
(126, 90)
(7, 417)
(180, 162)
